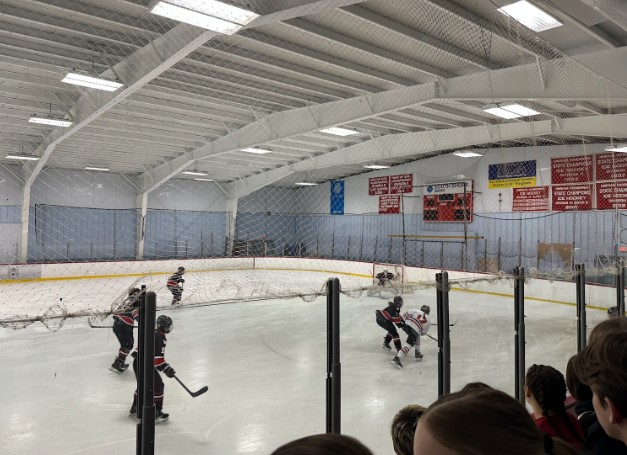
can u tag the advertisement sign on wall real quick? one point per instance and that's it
(571, 169)
(390, 203)
(612, 195)
(518, 174)
(337, 197)
(534, 199)
(571, 197)
(378, 185)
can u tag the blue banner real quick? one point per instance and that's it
(512, 175)
(337, 197)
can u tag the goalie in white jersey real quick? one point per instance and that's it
(416, 323)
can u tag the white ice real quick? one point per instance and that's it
(264, 363)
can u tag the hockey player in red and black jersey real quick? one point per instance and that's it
(164, 326)
(175, 285)
(123, 323)
(388, 319)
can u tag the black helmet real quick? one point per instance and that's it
(612, 312)
(181, 270)
(133, 291)
(164, 323)
(398, 301)
(426, 309)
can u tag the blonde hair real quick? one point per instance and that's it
(403, 428)
(488, 422)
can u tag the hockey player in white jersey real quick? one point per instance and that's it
(416, 323)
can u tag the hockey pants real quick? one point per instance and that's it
(124, 334)
(159, 388)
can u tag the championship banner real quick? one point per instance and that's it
(401, 183)
(518, 174)
(389, 204)
(448, 202)
(337, 197)
(534, 199)
(612, 195)
(571, 197)
(378, 185)
(571, 169)
(611, 166)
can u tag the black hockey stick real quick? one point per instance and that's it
(193, 394)
(434, 339)
(102, 326)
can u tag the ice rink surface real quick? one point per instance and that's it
(265, 365)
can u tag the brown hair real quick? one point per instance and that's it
(549, 389)
(324, 444)
(473, 387)
(579, 390)
(607, 327)
(403, 428)
(603, 366)
(488, 422)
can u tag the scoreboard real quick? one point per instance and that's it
(448, 202)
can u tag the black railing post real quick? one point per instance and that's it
(519, 338)
(620, 288)
(140, 370)
(334, 366)
(444, 342)
(580, 282)
(148, 409)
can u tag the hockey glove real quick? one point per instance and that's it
(182, 281)
(169, 371)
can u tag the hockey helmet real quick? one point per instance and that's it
(426, 309)
(164, 323)
(181, 270)
(612, 312)
(398, 301)
(134, 291)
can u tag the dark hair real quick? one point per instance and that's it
(487, 422)
(403, 428)
(603, 366)
(549, 389)
(606, 327)
(324, 444)
(579, 390)
(473, 387)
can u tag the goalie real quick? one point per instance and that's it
(384, 277)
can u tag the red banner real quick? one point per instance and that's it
(612, 195)
(389, 204)
(571, 169)
(611, 166)
(402, 183)
(378, 185)
(534, 199)
(571, 197)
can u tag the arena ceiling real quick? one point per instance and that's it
(409, 78)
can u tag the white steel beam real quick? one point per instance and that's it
(427, 142)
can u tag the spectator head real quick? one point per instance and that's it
(547, 387)
(603, 366)
(403, 428)
(579, 390)
(324, 444)
(612, 325)
(487, 422)
(474, 387)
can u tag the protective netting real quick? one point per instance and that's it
(219, 152)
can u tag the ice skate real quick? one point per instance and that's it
(386, 345)
(118, 366)
(418, 355)
(132, 413)
(161, 416)
(396, 362)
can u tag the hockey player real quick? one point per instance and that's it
(416, 323)
(612, 312)
(388, 319)
(164, 326)
(175, 285)
(123, 328)
(384, 277)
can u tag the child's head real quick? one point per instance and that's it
(548, 387)
(403, 428)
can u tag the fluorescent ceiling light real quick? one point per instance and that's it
(466, 153)
(519, 109)
(305, 184)
(199, 173)
(24, 158)
(530, 16)
(256, 150)
(622, 148)
(209, 14)
(339, 131)
(91, 82)
(49, 121)
(96, 168)
(500, 112)
(204, 180)
(376, 166)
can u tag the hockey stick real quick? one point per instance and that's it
(434, 339)
(193, 394)
(102, 326)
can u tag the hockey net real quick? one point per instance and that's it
(381, 271)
